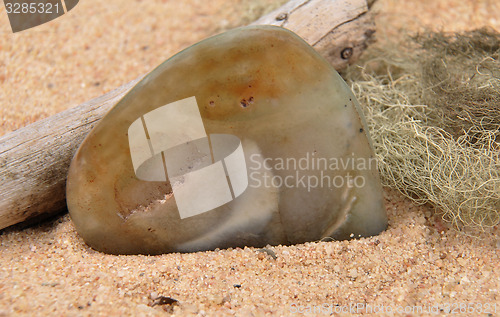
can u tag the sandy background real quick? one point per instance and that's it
(48, 270)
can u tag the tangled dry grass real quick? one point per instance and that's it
(432, 104)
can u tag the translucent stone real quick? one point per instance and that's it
(247, 138)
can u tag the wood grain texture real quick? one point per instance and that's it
(339, 30)
(34, 160)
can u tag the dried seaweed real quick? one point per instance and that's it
(432, 104)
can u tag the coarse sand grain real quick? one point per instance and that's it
(418, 266)
(417, 263)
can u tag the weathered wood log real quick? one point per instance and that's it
(339, 30)
(34, 160)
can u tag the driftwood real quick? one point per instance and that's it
(34, 160)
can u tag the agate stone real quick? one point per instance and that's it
(247, 138)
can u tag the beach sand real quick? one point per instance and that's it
(419, 264)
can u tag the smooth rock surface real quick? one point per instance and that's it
(268, 102)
